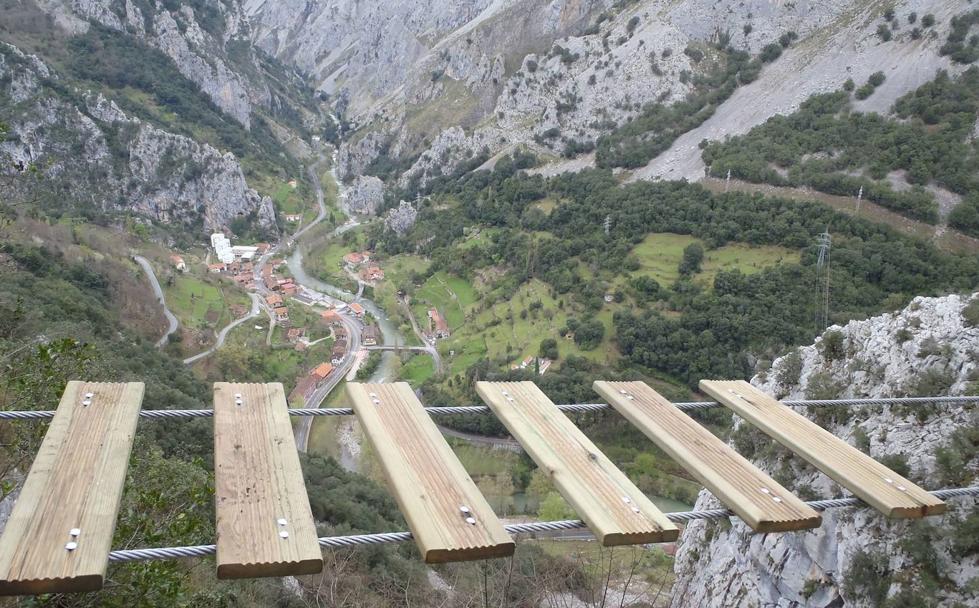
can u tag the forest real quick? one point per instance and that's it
(686, 331)
(831, 148)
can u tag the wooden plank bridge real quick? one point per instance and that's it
(59, 534)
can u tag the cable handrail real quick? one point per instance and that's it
(436, 410)
(337, 542)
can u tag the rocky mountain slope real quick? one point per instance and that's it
(857, 557)
(207, 41)
(439, 87)
(86, 150)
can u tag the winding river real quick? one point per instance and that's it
(389, 331)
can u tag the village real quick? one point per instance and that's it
(352, 329)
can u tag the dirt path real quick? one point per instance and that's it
(943, 237)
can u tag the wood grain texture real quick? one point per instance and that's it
(428, 481)
(758, 499)
(75, 482)
(869, 480)
(616, 511)
(258, 483)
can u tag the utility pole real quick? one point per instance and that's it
(821, 292)
(608, 224)
(727, 182)
(859, 198)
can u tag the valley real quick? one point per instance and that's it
(442, 193)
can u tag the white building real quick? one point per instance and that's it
(245, 253)
(222, 247)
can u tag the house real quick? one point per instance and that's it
(321, 371)
(357, 310)
(304, 388)
(437, 323)
(274, 300)
(609, 298)
(289, 288)
(353, 259)
(330, 316)
(281, 314)
(262, 248)
(215, 268)
(371, 335)
(270, 282)
(339, 352)
(293, 184)
(295, 333)
(294, 217)
(372, 273)
(178, 263)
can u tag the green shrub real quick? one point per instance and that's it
(970, 313)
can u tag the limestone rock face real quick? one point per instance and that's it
(927, 348)
(118, 162)
(365, 195)
(199, 44)
(401, 218)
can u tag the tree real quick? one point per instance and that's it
(693, 255)
(548, 349)
(589, 334)
(554, 508)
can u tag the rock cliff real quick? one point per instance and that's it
(207, 41)
(433, 87)
(857, 557)
(86, 147)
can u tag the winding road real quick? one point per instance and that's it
(158, 291)
(223, 334)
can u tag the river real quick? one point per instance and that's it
(390, 335)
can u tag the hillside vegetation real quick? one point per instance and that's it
(927, 141)
(706, 317)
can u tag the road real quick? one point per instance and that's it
(158, 291)
(223, 334)
(352, 326)
(429, 348)
(315, 178)
(319, 395)
(500, 443)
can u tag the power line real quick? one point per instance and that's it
(336, 542)
(685, 406)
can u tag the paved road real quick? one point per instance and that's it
(158, 291)
(502, 443)
(428, 348)
(353, 328)
(315, 178)
(223, 334)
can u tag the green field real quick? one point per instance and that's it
(502, 331)
(454, 297)
(417, 369)
(397, 275)
(288, 200)
(325, 257)
(660, 255)
(202, 303)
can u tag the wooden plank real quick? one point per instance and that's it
(264, 524)
(59, 533)
(616, 511)
(758, 499)
(447, 515)
(868, 479)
